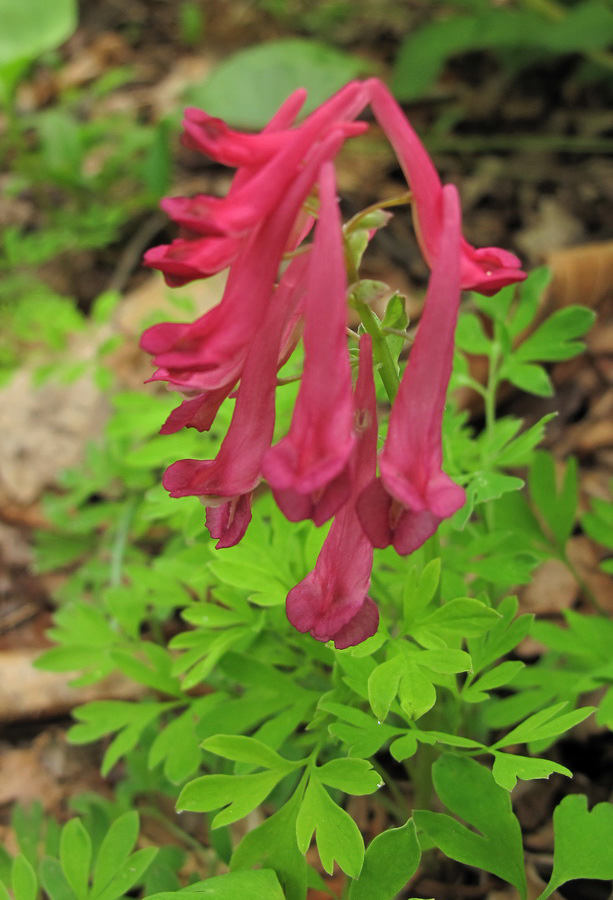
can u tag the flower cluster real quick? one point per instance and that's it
(281, 286)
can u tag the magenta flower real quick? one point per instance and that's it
(215, 345)
(332, 602)
(305, 469)
(485, 270)
(406, 504)
(225, 484)
(200, 407)
(215, 225)
(213, 138)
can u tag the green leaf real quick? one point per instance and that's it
(557, 502)
(506, 634)
(463, 616)
(447, 662)
(116, 846)
(553, 340)
(247, 750)
(54, 881)
(337, 836)
(527, 376)
(416, 692)
(495, 678)
(544, 725)
(129, 874)
(583, 841)
(25, 884)
(247, 88)
(261, 884)
(273, 845)
(470, 335)
(383, 686)
(508, 768)
(469, 790)
(75, 856)
(390, 860)
(29, 29)
(239, 794)
(353, 776)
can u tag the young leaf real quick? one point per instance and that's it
(247, 750)
(127, 875)
(390, 860)
(239, 794)
(383, 686)
(416, 692)
(557, 505)
(115, 849)
(463, 616)
(75, 856)
(353, 776)
(508, 768)
(54, 881)
(261, 884)
(469, 790)
(555, 339)
(25, 884)
(583, 841)
(544, 725)
(336, 834)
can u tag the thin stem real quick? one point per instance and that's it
(400, 200)
(585, 588)
(388, 371)
(118, 548)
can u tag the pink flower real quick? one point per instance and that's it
(332, 602)
(485, 270)
(406, 504)
(225, 484)
(215, 345)
(212, 136)
(305, 469)
(215, 225)
(199, 409)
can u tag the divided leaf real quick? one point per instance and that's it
(469, 790)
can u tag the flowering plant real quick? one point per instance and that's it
(282, 283)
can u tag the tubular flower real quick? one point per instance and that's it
(304, 467)
(485, 270)
(216, 226)
(215, 345)
(225, 484)
(332, 602)
(326, 463)
(406, 504)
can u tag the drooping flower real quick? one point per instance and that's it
(216, 226)
(215, 345)
(306, 468)
(406, 504)
(332, 602)
(485, 270)
(200, 407)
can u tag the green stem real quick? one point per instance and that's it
(388, 370)
(120, 541)
(585, 588)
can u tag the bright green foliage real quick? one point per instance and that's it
(258, 885)
(69, 870)
(469, 791)
(286, 721)
(583, 841)
(389, 862)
